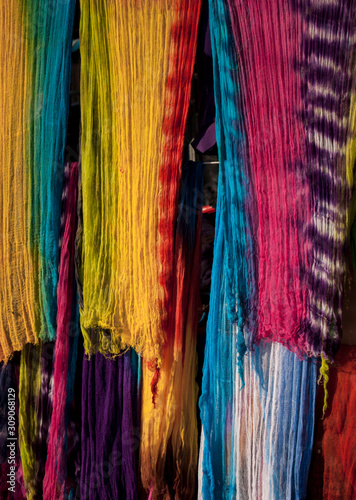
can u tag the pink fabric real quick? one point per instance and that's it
(54, 480)
(271, 99)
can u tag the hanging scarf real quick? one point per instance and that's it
(169, 443)
(65, 348)
(284, 77)
(137, 64)
(257, 439)
(35, 41)
(110, 427)
(263, 449)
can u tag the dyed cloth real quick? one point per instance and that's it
(137, 64)
(284, 74)
(264, 449)
(65, 348)
(169, 435)
(35, 47)
(110, 427)
(35, 411)
(257, 440)
(284, 79)
(333, 468)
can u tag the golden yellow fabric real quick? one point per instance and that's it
(135, 90)
(169, 433)
(17, 293)
(35, 48)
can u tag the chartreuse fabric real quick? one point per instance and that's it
(35, 412)
(137, 64)
(35, 46)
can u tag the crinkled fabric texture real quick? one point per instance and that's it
(35, 412)
(65, 355)
(35, 48)
(257, 440)
(284, 80)
(333, 467)
(137, 65)
(110, 431)
(169, 436)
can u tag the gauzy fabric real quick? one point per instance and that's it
(137, 65)
(35, 48)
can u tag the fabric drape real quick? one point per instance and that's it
(169, 436)
(284, 81)
(35, 43)
(65, 354)
(137, 64)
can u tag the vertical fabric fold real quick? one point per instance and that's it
(169, 435)
(137, 65)
(65, 353)
(110, 429)
(35, 47)
(284, 80)
(35, 411)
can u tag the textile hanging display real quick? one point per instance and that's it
(284, 77)
(65, 354)
(218, 385)
(264, 449)
(274, 424)
(137, 64)
(35, 44)
(110, 430)
(169, 433)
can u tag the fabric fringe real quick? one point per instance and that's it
(169, 442)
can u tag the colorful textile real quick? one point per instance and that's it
(218, 386)
(65, 354)
(35, 411)
(333, 468)
(137, 64)
(257, 439)
(284, 77)
(35, 47)
(110, 427)
(264, 449)
(169, 433)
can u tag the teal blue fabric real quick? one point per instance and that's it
(49, 26)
